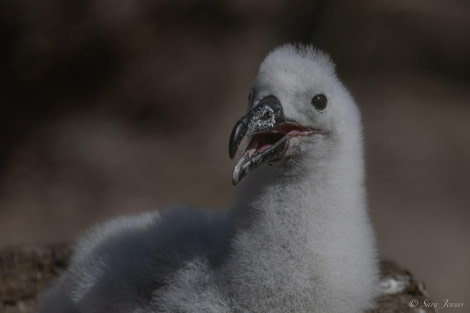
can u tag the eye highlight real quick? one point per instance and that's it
(319, 102)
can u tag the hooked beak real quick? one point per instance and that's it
(269, 131)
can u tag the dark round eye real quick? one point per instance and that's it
(319, 102)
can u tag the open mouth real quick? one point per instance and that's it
(269, 132)
(266, 140)
(268, 147)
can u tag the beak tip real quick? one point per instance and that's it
(235, 177)
(235, 180)
(239, 173)
(231, 152)
(238, 133)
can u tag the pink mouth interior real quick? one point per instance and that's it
(263, 141)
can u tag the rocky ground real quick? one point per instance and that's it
(27, 270)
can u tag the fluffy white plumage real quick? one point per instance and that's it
(298, 238)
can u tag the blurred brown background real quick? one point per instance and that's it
(114, 107)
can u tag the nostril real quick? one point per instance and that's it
(268, 114)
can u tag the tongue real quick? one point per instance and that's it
(263, 147)
(259, 144)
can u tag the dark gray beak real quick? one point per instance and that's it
(265, 116)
